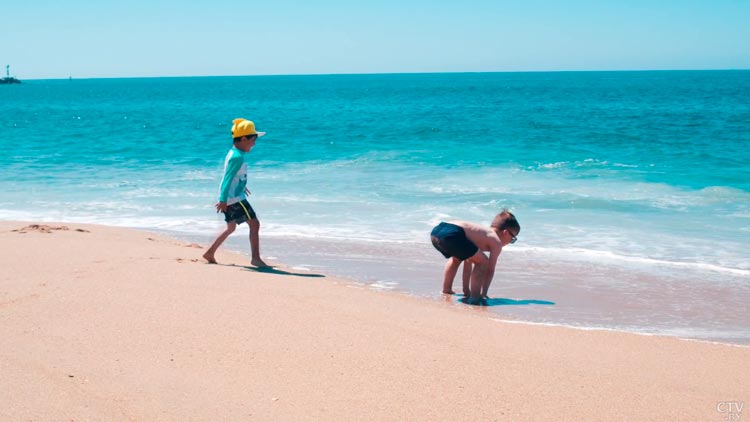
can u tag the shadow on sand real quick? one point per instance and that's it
(273, 270)
(503, 302)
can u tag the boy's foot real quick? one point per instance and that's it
(258, 263)
(449, 292)
(210, 258)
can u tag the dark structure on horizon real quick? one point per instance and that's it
(8, 79)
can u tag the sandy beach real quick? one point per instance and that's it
(109, 324)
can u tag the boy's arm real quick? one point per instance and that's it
(466, 277)
(490, 269)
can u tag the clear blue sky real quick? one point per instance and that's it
(86, 38)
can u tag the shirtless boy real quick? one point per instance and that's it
(463, 241)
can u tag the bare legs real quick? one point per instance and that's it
(451, 267)
(209, 255)
(254, 243)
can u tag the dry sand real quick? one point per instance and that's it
(108, 324)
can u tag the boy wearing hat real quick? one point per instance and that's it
(232, 200)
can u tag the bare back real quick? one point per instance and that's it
(484, 237)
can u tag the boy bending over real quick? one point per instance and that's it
(463, 241)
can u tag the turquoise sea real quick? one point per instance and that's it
(632, 188)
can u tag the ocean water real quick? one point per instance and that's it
(632, 188)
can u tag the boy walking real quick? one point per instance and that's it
(462, 241)
(232, 200)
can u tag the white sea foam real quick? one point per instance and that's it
(198, 175)
(556, 165)
(602, 192)
(166, 192)
(384, 285)
(580, 254)
(194, 219)
(108, 206)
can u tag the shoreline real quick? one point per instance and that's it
(110, 324)
(343, 267)
(619, 331)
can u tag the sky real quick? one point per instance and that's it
(48, 39)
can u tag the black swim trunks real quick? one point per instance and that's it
(239, 212)
(451, 241)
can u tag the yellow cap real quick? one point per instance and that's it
(244, 127)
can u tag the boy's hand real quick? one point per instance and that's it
(221, 207)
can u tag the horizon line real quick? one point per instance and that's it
(386, 73)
